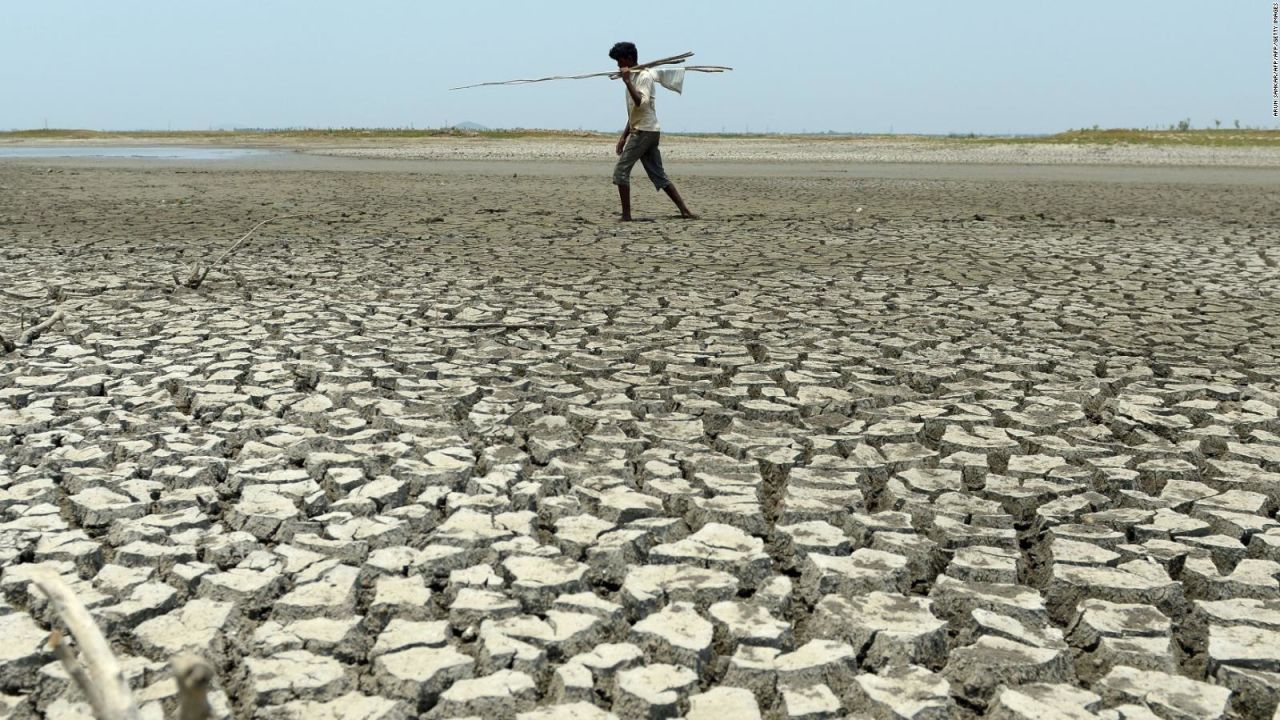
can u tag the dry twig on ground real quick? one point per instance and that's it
(101, 677)
(77, 672)
(35, 331)
(97, 672)
(194, 675)
(199, 272)
(32, 333)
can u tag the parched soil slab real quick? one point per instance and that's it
(455, 443)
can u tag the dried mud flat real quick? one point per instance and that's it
(468, 447)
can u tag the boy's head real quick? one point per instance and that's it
(625, 54)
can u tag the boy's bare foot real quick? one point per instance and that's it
(688, 216)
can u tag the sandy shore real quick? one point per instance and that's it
(457, 442)
(792, 150)
(769, 151)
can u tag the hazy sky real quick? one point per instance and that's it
(801, 65)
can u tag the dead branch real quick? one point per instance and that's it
(673, 60)
(105, 677)
(77, 672)
(34, 332)
(6, 346)
(194, 675)
(199, 272)
(613, 74)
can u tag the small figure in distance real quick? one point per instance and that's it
(639, 140)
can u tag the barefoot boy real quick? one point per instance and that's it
(639, 140)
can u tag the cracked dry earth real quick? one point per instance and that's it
(469, 448)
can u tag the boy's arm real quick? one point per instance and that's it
(622, 141)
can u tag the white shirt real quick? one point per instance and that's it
(642, 116)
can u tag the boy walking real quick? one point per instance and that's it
(639, 141)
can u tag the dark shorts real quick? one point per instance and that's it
(641, 145)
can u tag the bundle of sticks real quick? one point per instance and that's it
(673, 60)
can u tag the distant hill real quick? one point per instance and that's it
(468, 125)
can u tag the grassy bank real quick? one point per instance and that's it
(1118, 136)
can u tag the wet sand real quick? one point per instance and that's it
(463, 437)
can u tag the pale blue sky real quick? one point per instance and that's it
(932, 66)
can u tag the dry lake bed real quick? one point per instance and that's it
(880, 436)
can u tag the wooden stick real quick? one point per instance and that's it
(194, 675)
(34, 331)
(105, 673)
(6, 346)
(609, 74)
(197, 277)
(673, 60)
(73, 667)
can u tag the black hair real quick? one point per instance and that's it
(624, 51)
